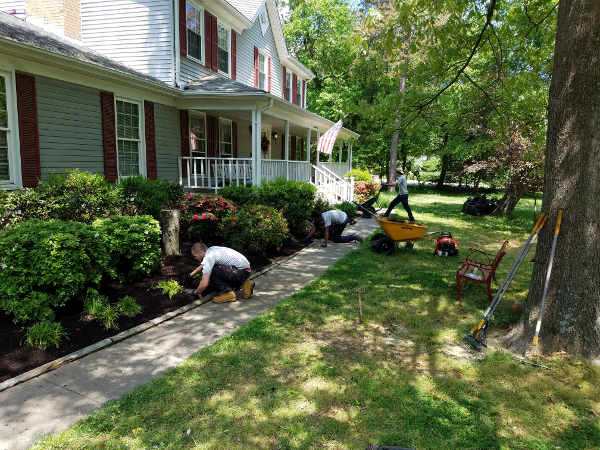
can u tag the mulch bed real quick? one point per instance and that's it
(16, 357)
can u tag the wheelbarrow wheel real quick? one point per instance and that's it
(383, 244)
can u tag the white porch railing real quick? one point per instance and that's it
(288, 170)
(272, 169)
(335, 189)
(339, 168)
(214, 173)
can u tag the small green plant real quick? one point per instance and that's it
(108, 316)
(170, 288)
(45, 334)
(128, 306)
(360, 175)
(348, 208)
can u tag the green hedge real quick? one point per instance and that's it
(360, 175)
(240, 195)
(149, 196)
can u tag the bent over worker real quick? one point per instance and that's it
(224, 270)
(334, 222)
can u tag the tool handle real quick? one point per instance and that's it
(558, 222)
(539, 223)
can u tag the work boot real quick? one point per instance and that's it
(247, 288)
(228, 296)
(357, 238)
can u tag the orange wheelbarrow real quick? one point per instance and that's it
(398, 231)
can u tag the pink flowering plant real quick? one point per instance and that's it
(363, 191)
(256, 229)
(203, 216)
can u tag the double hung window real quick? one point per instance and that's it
(224, 43)
(299, 92)
(288, 86)
(198, 135)
(262, 72)
(195, 31)
(129, 138)
(225, 138)
(6, 131)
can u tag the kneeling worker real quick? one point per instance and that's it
(334, 222)
(224, 270)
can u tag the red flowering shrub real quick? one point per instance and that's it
(364, 191)
(255, 229)
(203, 217)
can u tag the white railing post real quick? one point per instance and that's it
(287, 149)
(180, 168)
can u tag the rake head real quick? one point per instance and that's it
(474, 342)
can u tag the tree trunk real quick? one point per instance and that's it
(395, 138)
(443, 171)
(571, 319)
(170, 219)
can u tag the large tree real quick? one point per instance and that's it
(572, 182)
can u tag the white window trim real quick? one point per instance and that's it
(142, 149)
(203, 34)
(198, 114)
(14, 143)
(228, 28)
(230, 134)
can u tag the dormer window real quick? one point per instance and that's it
(288, 86)
(299, 92)
(264, 21)
(195, 27)
(224, 36)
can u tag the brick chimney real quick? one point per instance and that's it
(59, 16)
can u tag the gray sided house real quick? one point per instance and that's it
(201, 92)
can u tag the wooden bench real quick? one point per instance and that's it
(480, 272)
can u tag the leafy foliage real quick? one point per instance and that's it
(133, 243)
(44, 265)
(169, 287)
(240, 195)
(202, 217)
(294, 199)
(364, 191)
(45, 334)
(348, 208)
(150, 196)
(256, 229)
(360, 175)
(128, 306)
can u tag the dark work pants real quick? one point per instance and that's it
(227, 278)
(402, 198)
(335, 233)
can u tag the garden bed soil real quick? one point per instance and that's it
(16, 357)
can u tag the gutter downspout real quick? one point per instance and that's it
(177, 59)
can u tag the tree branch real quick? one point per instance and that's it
(488, 21)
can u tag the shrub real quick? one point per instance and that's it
(133, 244)
(170, 288)
(360, 175)
(150, 196)
(73, 196)
(240, 195)
(202, 217)
(294, 198)
(256, 229)
(321, 205)
(348, 208)
(44, 265)
(364, 191)
(128, 306)
(45, 334)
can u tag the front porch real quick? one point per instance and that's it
(243, 145)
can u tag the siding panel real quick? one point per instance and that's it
(10, 6)
(70, 129)
(168, 141)
(137, 33)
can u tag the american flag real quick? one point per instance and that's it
(325, 144)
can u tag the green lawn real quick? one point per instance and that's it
(309, 375)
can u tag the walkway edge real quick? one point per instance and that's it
(52, 365)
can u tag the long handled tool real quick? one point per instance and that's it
(476, 337)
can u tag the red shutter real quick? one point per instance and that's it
(184, 122)
(28, 130)
(269, 75)
(183, 28)
(304, 93)
(212, 129)
(109, 136)
(284, 84)
(151, 169)
(295, 89)
(233, 55)
(292, 148)
(215, 44)
(256, 71)
(207, 39)
(234, 139)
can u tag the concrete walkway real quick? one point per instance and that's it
(56, 400)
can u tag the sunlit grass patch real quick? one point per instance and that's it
(309, 374)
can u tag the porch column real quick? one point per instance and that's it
(318, 156)
(287, 149)
(256, 147)
(308, 133)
